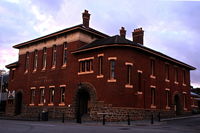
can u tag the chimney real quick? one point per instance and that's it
(138, 35)
(123, 32)
(86, 18)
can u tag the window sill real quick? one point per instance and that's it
(41, 104)
(34, 70)
(184, 84)
(185, 109)
(64, 66)
(111, 80)
(61, 104)
(43, 69)
(26, 72)
(153, 106)
(88, 72)
(100, 76)
(139, 93)
(167, 107)
(53, 68)
(152, 77)
(176, 83)
(128, 86)
(50, 104)
(31, 104)
(167, 80)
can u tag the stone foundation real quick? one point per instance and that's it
(96, 113)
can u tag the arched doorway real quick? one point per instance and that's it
(83, 98)
(18, 103)
(177, 104)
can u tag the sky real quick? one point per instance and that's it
(171, 26)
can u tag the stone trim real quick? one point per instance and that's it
(62, 86)
(152, 77)
(128, 63)
(99, 55)
(167, 89)
(100, 76)
(33, 88)
(88, 72)
(128, 86)
(152, 86)
(112, 58)
(88, 58)
(139, 71)
(111, 80)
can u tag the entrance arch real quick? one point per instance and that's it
(177, 104)
(18, 103)
(85, 97)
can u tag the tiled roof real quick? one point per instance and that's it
(12, 65)
(67, 30)
(110, 40)
(117, 40)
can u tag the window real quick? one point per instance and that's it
(64, 53)
(139, 81)
(167, 72)
(27, 62)
(35, 64)
(54, 57)
(129, 72)
(176, 75)
(44, 58)
(51, 96)
(42, 96)
(184, 101)
(153, 96)
(100, 58)
(112, 69)
(62, 92)
(152, 67)
(167, 98)
(13, 73)
(32, 96)
(184, 82)
(86, 65)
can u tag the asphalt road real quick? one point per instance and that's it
(189, 125)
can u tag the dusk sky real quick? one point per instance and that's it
(171, 26)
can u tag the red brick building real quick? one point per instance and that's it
(80, 70)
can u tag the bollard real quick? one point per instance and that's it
(78, 120)
(159, 116)
(129, 123)
(152, 119)
(38, 116)
(63, 118)
(103, 119)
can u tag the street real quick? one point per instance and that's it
(189, 125)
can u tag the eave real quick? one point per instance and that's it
(145, 49)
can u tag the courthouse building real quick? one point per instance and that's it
(82, 71)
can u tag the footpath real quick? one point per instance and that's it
(150, 122)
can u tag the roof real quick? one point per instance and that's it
(12, 65)
(194, 94)
(118, 41)
(67, 30)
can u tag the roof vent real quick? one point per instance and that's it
(86, 18)
(123, 32)
(138, 35)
